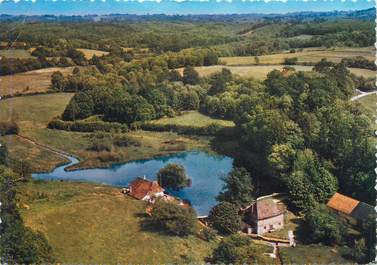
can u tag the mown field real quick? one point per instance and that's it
(89, 53)
(261, 71)
(193, 118)
(36, 81)
(308, 55)
(15, 53)
(94, 224)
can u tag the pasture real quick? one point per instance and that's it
(308, 55)
(261, 71)
(36, 81)
(92, 224)
(89, 53)
(192, 118)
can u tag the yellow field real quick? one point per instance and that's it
(261, 71)
(309, 55)
(36, 81)
(15, 53)
(89, 53)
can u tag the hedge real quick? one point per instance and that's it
(209, 130)
(83, 126)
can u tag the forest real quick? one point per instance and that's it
(295, 132)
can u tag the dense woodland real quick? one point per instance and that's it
(296, 132)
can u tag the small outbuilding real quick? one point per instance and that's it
(351, 209)
(143, 189)
(265, 215)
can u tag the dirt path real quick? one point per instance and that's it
(362, 94)
(53, 150)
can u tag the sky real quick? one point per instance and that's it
(101, 7)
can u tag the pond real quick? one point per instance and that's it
(205, 171)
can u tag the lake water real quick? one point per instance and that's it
(205, 171)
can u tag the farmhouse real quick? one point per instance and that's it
(143, 189)
(352, 210)
(264, 215)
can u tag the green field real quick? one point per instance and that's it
(93, 224)
(15, 53)
(193, 118)
(309, 55)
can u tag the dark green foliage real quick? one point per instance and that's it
(237, 249)
(290, 61)
(219, 80)
(323, 226)
(8, 127)
(224, 218)
(309, 181)
(125, 140)
(18, 244)
(173, 176)
(174, 219)
(190, 76)
(81, 106)
(208, 234)
(238, 188)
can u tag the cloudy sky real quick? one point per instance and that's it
(81, 7)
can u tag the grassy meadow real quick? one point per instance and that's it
(308, 55)
(94, 224)
(36, 81)
(193, 118)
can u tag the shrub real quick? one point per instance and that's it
(8, 127)
(224, 218)
(208, 234)
(174, 219)
(290, 61)
(125, 140)
(83, 126)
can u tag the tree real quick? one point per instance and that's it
(323, 226)
(224, 218)
(173, 218)
(173, 176)
(190, 76)
(57, 80)
(238, 188)
(237, 249)
(81, 106)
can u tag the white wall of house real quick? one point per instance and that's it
(148, 197)
(273, 223)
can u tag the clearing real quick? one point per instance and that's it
(193, 118)
(261, 71)
(32, 116)
(92, 224)
(308, 55)
(36, 81)
(89, 53)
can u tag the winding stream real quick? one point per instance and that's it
(205, 171)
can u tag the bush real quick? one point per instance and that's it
(99, 145)
(174, 219)
(224, 218)
(8, 127)
(124, 141)
(208, 234)
(290, 61)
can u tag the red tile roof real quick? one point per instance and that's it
(139, 188)
(265, 208)
(342, 203)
